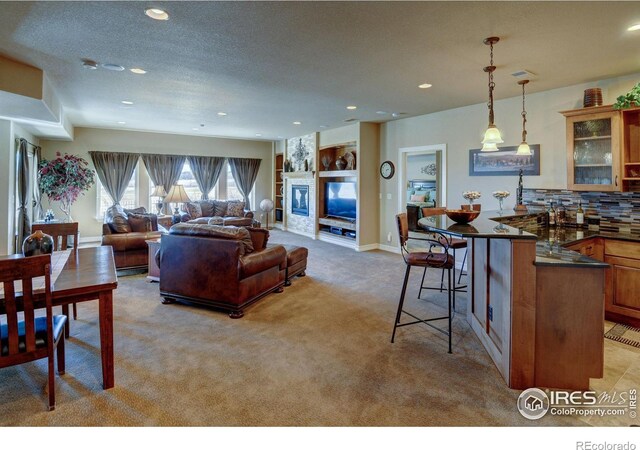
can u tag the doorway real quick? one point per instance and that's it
(422, 169)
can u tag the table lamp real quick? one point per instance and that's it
(176, 195)
(160, 193)
(266, 205)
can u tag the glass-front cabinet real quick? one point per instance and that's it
(593, 149)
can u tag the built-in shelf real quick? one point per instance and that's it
(338, 173)
(339, 223)
(592, 165)
(310, 174)
(278, 159)
(631, 179)
(632, 164)
(592, 138)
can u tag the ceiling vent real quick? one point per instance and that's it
(351, 120)
(523, 74)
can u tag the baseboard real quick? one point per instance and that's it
(337, 240)
(388, 248)
(366, 248)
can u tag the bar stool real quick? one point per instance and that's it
(424, 259)
(454, 244)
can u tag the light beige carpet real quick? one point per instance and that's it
(318, 354)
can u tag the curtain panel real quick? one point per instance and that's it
(38, 213)
(24, 224)
(164, 170)
(115, 171)
(206, 170)
(245, 172)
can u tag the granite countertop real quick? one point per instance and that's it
(550, 241)
(484, 226)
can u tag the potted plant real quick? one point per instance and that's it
(63, 179)
(628, 100)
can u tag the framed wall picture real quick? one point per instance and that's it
(504, 162)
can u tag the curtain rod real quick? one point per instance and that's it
(33, 145)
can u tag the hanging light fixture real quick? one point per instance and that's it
(523, 148)
(492, 136)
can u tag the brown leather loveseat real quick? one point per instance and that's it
(127, 230)
(225, 267)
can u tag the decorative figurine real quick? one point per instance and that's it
(519, 206)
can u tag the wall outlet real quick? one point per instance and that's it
(380, 195)
(388, 196)
(389, 236)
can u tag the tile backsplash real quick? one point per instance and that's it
(604, 211)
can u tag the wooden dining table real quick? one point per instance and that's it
(89, 274)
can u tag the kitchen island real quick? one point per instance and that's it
(537, 308)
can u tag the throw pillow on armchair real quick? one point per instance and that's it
(235, 209)
(193, 209)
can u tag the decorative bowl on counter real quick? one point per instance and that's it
(461, 216)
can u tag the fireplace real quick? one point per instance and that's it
(300, 200)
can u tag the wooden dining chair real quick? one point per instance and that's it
(427, 258)
(33, 338)
(60, 232)
(454, 244)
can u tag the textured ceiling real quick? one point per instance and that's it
(268, 64)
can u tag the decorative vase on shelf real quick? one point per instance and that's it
(37, 243)
(341, 163)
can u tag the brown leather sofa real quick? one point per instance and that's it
(224, 267)
(127, 230)
(217, 212)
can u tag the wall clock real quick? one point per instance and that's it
(387, 169)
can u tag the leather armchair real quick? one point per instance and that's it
(198, 266)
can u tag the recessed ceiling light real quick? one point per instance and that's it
(352, 107)
(635, 27)
(138, 71)
(258, 135)
(424, 86)
(195, 129)
(89, 64)
(126, 102)
(222, 113)
(114, 67)
(398, 114)
(121, 122)
(381, 112)
(280, 137)
(156, 13)
(323, 126)
(297, 123)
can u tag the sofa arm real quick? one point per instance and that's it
(106, 229)
(248, 214)
(257, 262)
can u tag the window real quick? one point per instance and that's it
(190, 185)
(129, 199)
(233, 193)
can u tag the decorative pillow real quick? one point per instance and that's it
(206, 208)
(219, 208)
(418, 198)
(138, 210)
(193, 209)
(140, 223)
(419, 192)
(117, 219)
(410, 192)
(235, 209)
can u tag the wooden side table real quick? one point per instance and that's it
(165, 221)
(154, 270)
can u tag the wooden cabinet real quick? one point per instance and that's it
(631, 149)
(593, 248)
(593, 149)
(622, 281)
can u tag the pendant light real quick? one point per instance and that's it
(524, 149)
(492, 136)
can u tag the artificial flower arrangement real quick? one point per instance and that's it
(63, 179)
(471, 196)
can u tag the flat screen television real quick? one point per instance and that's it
(340, 199)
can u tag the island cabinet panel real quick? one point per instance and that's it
(593, 248)
(569, 348)
(503, 294)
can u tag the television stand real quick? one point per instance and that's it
(338, 223)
